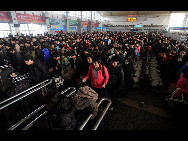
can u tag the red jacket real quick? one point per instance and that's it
(98, 83)
(183, 84)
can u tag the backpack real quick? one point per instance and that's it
(86, 97)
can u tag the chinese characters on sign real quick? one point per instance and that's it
(4, 16)
(29, 18)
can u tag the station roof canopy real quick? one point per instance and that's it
(126, 13)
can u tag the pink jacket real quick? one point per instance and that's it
(138, 49)
(183, 84)
(98, 83)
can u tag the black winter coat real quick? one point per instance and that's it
(38, 71)
(17, 60)
(116, 77)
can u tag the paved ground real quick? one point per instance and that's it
(143, 110)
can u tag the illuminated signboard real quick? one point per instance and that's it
(131, 19)
(138, 25)
(56, 28)
(179, 28)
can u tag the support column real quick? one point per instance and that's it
(91, 23)
(14, 30)
(66, 22)
(79, 24)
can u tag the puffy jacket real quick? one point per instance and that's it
(116, 77)
(46, 54)
(183, 84)
(38, 71)
(98, 83)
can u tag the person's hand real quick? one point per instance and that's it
(93, 115)
(83, 80)
(13, 75)
(104, 85)
(50, 70)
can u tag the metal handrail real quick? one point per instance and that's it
(26, 118)
(1, 102)
(28, 93)
(100, 118)
(103, 113)
(174, 92)
(35, 120)
(73, 91)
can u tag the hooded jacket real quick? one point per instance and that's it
(98, 83)
(116, 80)
(183, 84)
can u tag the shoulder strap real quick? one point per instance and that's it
(103, 72)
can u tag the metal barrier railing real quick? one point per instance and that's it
(69, 88)
(10, 98)
(172, 98)
(89, 117)
(26, 118)
(29, 91)
(18, 97)
(45, 112)
(175, 91)
(35, 120)
(100, 118)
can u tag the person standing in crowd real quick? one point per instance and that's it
(99, 77)
(116, 80)
(17, 61)
(37, 70)
(183, 85)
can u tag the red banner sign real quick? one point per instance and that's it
(26, 18)
(85, 23)
(94, 24)
(4, 16)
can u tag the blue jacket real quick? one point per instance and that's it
(46, 54)
(184, 69)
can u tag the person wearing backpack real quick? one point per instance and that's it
(99, 77)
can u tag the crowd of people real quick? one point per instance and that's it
(103, 60)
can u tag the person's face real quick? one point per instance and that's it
(73, 57)
(95, 64)
(108, 51)
(114, 64)
(21, 45)
(34, 39)
(52, 46)
(12, 51)
(30, 62)
(183, 53)
(85, 52)
(57, 58)
(89, 60)
(116, 52)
